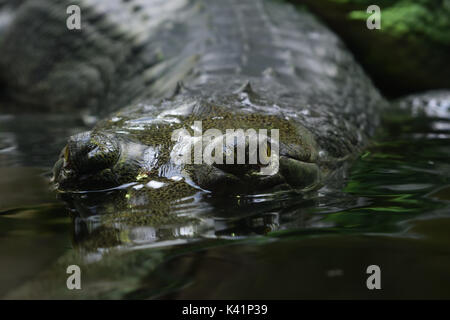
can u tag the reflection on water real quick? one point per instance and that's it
(34, 139)
(392, 210)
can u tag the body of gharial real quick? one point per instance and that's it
(255, 64)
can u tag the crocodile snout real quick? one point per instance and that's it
(85, 156)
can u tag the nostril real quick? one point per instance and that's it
(87, 152)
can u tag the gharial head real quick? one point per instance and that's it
(207, 144)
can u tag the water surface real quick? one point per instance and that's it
(392, 210)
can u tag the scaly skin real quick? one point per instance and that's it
(303, 81)
(254, 64)
(45, 66)
(288, 73)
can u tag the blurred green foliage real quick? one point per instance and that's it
(405, 17)
(410, 52)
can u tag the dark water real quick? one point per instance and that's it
(392, 210)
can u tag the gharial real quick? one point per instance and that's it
(149, 68)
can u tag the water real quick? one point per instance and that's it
(392, 210)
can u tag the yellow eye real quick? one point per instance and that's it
(66, 154)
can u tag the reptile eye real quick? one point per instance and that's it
(66, 154)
